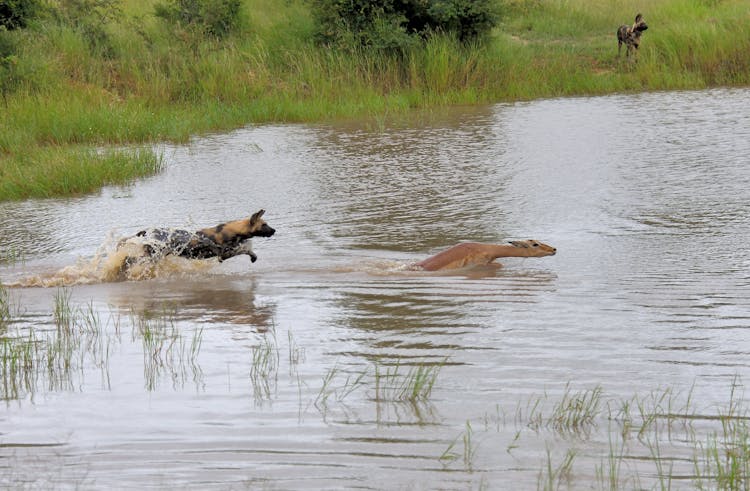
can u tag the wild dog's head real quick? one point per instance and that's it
(635, 32)
(534, 248)
(253, 226)
(639, 25)
(239, 230)
(256, 227)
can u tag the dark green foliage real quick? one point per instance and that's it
(215, 18)
(467, 19)
(396, 24)
(15, 14)
(91, 18)
(8, 63)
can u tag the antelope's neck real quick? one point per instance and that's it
(507, 251)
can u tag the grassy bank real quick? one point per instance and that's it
(132, 80)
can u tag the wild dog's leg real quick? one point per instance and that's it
(621, 37)
(241, 248)
(232, 253)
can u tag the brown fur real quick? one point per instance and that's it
(235, 231)
(475, 253)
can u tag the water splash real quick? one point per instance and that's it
(118, 259)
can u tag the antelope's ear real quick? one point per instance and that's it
(256, 216)
(519, 243)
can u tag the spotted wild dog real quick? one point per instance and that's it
(475, 253)
(223, 241)
(630, 36)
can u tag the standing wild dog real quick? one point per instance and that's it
(630, 35)
(222, 241)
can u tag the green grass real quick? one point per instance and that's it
(5, 307)
(143, 83)
(467, 455)
(392, 384)
(166, 349)
(63, 170)
(264, 367)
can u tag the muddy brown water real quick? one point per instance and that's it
(273, 375)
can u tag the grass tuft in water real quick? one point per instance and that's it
(12, 256)
(296, 353)
(722, 460)
(18, 359)
(468, 452)
(576, 412)
(5, 304)
(63, 313)
(413, 386)
(54, 357)
(264, 367)
(341, 390)
(608, 473)
(166, 350)
(551, 477)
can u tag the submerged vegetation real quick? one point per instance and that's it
(570, 439)
(77, 75)
(38, 356)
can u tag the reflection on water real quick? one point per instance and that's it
(270, 374)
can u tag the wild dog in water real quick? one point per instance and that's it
(222, 241)
(630, 36)
(475, 253)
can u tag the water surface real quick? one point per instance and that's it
(645, 196)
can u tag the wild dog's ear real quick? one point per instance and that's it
(256, 216)
(638, 18)
(519, 243)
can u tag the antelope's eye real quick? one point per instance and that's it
(535, 244)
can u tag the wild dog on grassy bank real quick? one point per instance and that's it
(475, 253)
(223, 241)
(631, 36)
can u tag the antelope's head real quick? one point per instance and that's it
(534, 248)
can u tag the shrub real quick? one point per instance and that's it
(90, 18)
(467, 19)
(397, 24)
(8, 63)
(216, 18)
(15, 14)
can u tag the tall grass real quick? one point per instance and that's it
(142, 82)
(59, 171)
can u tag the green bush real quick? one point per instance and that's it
(15, 14)
(397, 24)
(90, 18)
(467, 19)
(215, 18)
(8, 63)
